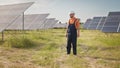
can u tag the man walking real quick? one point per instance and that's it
(72, 33)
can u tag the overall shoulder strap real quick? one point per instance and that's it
(75, 21)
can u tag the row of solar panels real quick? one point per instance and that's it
(12, 18)
(33, 22)
(110, 24)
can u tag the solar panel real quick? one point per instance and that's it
(87, 23)
(16, 25)
(48, 23)
(100, 25)
(112, 22)
(52, 25)
(94, 23)
(38, 22)
(9, 13)
(30, 20)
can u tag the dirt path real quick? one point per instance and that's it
(60, 61)
(93, 63)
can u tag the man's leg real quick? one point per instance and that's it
(68, 45)
(74, 43)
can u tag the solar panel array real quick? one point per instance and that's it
(33, 22)
(109, 24)
(112, 22)
(12, 18)
(9, 13)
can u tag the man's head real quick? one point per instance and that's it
(72, 14)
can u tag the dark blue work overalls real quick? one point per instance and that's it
(72, 38)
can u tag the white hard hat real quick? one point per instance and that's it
(72, 12)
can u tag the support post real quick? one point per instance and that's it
(2, 35)
(23, 22)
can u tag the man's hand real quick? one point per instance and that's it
(78, 35)
(66, 35)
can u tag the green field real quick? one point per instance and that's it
(47, 49)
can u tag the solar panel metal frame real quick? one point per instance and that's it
(118, 30)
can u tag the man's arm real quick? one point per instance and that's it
(67, 30)
(78, 28)
(78, 32)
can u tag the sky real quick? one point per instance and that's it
(60, 9)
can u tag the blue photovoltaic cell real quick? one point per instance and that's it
(94, 23)
(110, 29)
(112, 22)
(100, 25)
(113, 13)
(87, 23)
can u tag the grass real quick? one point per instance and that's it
(47, 49)
(111, 39)
(98, 44)
(22, 42)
